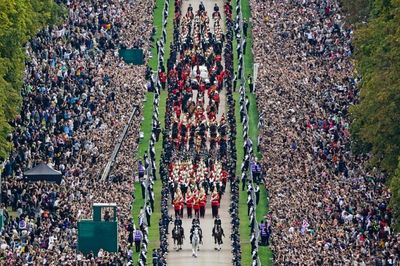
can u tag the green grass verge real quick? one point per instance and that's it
(154, 234)
(244, 219)
(248, 57)
(264, 253)
(146, 125)
(157, 22)
(143, 146)
(253, 122)
(170, 30)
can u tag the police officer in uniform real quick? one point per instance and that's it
(155, 257)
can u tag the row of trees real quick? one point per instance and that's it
(376, 119)
(20, 21)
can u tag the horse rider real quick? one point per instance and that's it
(194, 226)
(216, 8)
(178, 221)
(217, 221)
(196, 221)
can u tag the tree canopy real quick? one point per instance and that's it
(20, 20)
(376, 119)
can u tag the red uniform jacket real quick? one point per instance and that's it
(215, 201)
(203, 200)
(189, 202)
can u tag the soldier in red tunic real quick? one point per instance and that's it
(196, 204)
(203, 202)
(189, 203)
(215, 201)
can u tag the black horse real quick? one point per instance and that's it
(217, 233)
(178, 234)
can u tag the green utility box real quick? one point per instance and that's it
(132, 56)
(101, 232)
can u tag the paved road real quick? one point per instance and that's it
(207, 254)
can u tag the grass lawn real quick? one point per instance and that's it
(143, 146)
(264, 253)
(154, 236)
(157, 22)
(253, 123)
(248, 57)
(170, 30)
(244, 219)
(146, 125)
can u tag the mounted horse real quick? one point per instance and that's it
(178, 235)
(196, 240)
(217, 233)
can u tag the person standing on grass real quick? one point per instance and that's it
(234, 81)
(250, 83)
(155, 257)
(257, 192)
(131, 238)
(148, 213)
(138, 239)
(151, 197)
(263, 233)
(142, 219)
(163, 78)
(249, 203)
(141, 178)
(244, 181)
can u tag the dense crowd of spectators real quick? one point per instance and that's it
(327, 207)
(77, 97)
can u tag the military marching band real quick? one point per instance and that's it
(199, 135)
